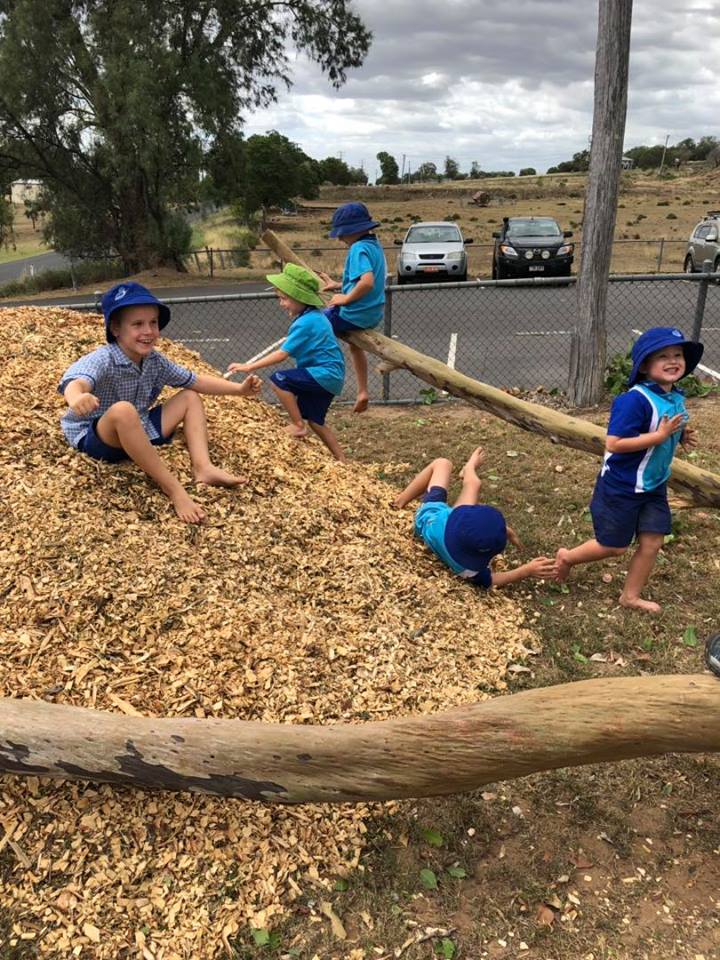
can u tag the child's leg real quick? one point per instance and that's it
(360, 365)
(329, 439)
(470, 480)
(187, 408)
(639, 570)
(435, 474)
(121, 427)
(587, 552)
(290, 404)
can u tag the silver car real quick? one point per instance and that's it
(704, 244)
(432, 251)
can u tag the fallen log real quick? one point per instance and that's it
(593, 721)
(700, 486)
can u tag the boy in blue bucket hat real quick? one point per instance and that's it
(467, 535)
(112, 396)
(630, 498)
(361, 304)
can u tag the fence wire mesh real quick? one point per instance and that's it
(513, 334)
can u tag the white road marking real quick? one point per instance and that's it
(708, 370)
(452, 350)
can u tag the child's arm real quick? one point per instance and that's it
(216, 386)
(277, 356)
(653, 439)
(543, 568)
(79, 397)
(328, 282)
(363, 286)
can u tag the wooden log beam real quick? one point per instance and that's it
(699, 486)
(593, 721)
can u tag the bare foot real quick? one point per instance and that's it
(476, 458)
(186, 508)
(297, 431)
(637, 603)
(361, 404)
(563, 565)
(215, 477)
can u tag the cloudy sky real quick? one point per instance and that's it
(506, 84)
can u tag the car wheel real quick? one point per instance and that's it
(462, 278)
(688, 265)
(400, 280)
(500, 272)
(716, 269)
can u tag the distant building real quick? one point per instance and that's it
(22, 190)
(627, 163)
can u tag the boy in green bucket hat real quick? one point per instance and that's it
(306, 391)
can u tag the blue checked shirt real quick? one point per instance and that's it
(113, 376)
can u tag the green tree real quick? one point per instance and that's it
(389, 170)
(528, 172)
(358, 176)
(475, 170)
(452, 169)
(426, 171)
(113, 103)
(334, 170)
(276, 171)
(7, 217)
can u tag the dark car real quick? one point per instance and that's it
(531, 247)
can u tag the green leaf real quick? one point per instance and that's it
(341, 885)
(428, 879)
(432, 837)
(261, 937)
(690, 637)
(458, 872)
(577, 655)
(446, 948)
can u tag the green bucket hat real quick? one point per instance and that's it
(298, 283)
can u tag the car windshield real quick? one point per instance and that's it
(533, 228)
(440, 234)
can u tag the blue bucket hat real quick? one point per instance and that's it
(477, 533)
(657, 338)
(130, 295)
(352, 218)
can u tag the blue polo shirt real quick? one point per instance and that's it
(638, 411)
(313, 346)
(365, 256)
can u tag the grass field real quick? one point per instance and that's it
(615, 861)
(25, 242)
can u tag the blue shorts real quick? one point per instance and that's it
(94, 447)
(312, 399)
(431, 517)
(343, 326)
(619, 517)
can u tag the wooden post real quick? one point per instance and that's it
(594, 721)
(588, 348)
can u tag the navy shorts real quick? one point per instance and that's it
(313, 400)
(94, 447)
(435, 495)
(343, 326)
(619, 517)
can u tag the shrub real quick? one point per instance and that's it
(663, 203)
(618, 370)
(87, 271)
(671, 216)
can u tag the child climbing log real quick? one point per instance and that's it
(593, 721)
(699, 486)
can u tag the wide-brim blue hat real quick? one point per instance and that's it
(130, 295)
(657, 338)
(352, 218)
(478, 533)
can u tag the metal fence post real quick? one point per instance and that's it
(701, 298)
(660, 255)
(387, 330)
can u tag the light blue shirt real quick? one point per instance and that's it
(113, 376)
(313, 346)
(365, 256)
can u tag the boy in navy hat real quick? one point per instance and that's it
(112, 398)
(467, 535)
(361, 304)
(630, 497)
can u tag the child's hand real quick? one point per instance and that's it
(543, 568)
(339, 300)
(86, 403)
(668, 427)
(689, 438)
(328, 282)
(238, 368)
(250, 387)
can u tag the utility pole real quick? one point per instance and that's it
(662, 160)
(588, 349)
(402, 172)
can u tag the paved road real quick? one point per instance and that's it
(503, 335)
(43, 261)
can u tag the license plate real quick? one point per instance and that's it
(431, 269)
(538, 269)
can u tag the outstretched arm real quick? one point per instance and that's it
(277, 356)
(217, 386)
(543, 568)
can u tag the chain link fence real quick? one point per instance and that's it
(510, 333)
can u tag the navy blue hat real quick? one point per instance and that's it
(477, 533)
(657, 338)
(130, 295)
(351, 218)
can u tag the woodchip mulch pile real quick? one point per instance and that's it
(303, 599)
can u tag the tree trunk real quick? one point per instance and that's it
(589, 341)
(594, 721)
(700, 486)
